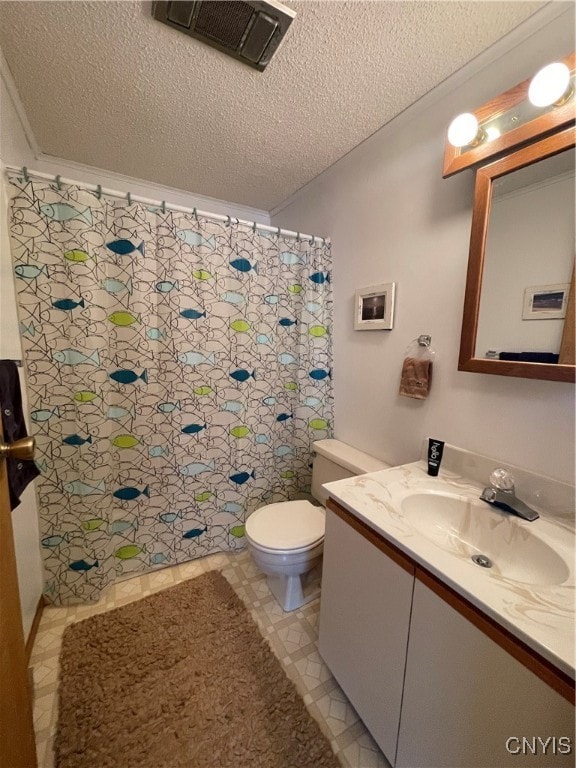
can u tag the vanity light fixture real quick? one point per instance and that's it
(550, 85)
(463, 130)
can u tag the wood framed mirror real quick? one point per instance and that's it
(518, 315)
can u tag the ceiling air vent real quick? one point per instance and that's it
(248, 31)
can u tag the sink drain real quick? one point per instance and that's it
(482, 561)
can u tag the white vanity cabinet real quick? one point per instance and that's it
(364, 621)
(437, 683)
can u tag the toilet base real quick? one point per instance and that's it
(293, 592)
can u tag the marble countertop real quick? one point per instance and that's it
(542, 615)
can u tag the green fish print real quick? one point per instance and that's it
(76, 256)
(123, 318)
(201, 274)
(318, 331)
(127, 552)
(94, 524)
(318, 424)
(85, 396)
(240, 326)
(65, 212)
(240, 431)
(125, 441)
(238, 531)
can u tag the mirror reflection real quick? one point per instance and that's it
(528, 262)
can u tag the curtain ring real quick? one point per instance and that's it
(278, 232)
(25, 174)
(195, 212)
(129, 198)
(254, 227)
(312, 240)
(297, 237)
(59, 182)
(99, 191)
(163, 207)
(228, 221)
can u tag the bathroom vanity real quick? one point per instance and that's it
(446, 662)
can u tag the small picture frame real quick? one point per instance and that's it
(374, 308)
(545, 302)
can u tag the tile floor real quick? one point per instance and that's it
(292, 636)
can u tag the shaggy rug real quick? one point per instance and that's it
(180, 678)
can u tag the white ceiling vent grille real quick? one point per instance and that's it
(249, 31)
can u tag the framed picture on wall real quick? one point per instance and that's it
(374, 308)
(545, 302)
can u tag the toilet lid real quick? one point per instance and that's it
(286, 525)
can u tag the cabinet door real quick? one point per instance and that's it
(364, 617)
(466, 699)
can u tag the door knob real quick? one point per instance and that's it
(19, 449)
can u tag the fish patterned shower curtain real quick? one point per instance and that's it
(178, 370)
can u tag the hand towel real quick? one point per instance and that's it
(416, 378)
(20, 472)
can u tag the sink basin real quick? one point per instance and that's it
(467, 526)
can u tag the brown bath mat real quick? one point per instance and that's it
(181, 678)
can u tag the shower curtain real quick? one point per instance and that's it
(178, 369)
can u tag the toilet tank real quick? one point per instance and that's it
(335, 460)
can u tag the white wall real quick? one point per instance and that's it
(15, 149)
(392, 217)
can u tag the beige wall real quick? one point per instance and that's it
(392, 217)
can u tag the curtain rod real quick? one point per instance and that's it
(25, 173)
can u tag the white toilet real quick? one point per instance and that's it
(286, 539)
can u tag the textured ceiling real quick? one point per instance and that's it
(105, 84)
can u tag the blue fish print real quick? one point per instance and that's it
(156, 334)
(269, 400)
(197, 468)
(283, 450)
(197, 358)
(125, 376)
(287, 359)
(233, 507)
(286, 322)
(43, 414)
(55, 541)
(82, 565)
(192, 314)
(243, 265)
(319, 373)
(125, 247)
(231, 297)
(191, 237)
(65, 212)
(74, 357)
(169, 407)
(119, 412)
(242, 375)
(129, 493)
(111, 285)
(289, 258)
(169, 517)
(242, 477)
(320, 277)
(194, 533)
(193, 429)
(263, 339)
(261, 439)
(68, 304)
(76, 440)
(312, 401)
(313, 307)
(30, 271)
(119, 526)
(158, 450)
(158, 558)
(80, 488)
(234, 406)
(271, 299)
(284, 416)
(28, 329)
(165, 286)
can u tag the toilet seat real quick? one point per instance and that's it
(288, 526)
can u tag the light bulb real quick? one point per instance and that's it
(549, 85)
(463, 130)
(492, 133)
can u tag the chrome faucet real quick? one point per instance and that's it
(501, 494)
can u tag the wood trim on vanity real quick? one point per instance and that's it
(34, 628)
(541, 667)
(372, 536)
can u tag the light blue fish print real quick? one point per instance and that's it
(79, 488)
(169, 517)
(125, 247)
(233, 507)
(234, 406)
(169, 407)
(158, 558)
(27, 330)
(30, 271)
(197, 468)
(231, 297)
(313, 307)
(65, 212)
(269, 401)
(197, 358)
(119, 526)
(56, 540)
(243, 265)
(263, 339)
(285, 358)
(43, 414)
(119, 412)
(82, 565)
(165, 286)
(312, 401)
(156, 334)
(290, 258)
(261, 438)
(271, 299)
(111, 285)
(283, 450)
(74, 357)
(158, 450)
(191, 237)
(242, 477)
(192, 314)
